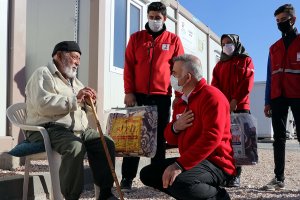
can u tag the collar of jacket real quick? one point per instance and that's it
(196, 90)
(52, 67)
(289, 37)
(292, 33)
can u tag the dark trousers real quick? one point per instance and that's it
(280, 108)
(200, 182)
(72, 149)
(163, 103)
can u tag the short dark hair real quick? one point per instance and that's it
(157, 6)
(286, 8)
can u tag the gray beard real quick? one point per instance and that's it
(68, 69)
(69, 72)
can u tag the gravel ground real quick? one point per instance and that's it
(252, 179)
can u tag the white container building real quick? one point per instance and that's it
(30, 29)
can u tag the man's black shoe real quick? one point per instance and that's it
(222, 194)
(106, 194)
(126, 185)
(234, 182)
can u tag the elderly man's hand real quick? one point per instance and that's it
(86, 93)
(184, 121)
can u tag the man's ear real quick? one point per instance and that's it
(165, 18)
(59, 55)
(55, 57)
(189, 76)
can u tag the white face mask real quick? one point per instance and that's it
(228, 49)
(155, 25)
(174, 84)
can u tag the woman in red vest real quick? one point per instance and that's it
(234, 76)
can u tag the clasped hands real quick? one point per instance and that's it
(85, 94)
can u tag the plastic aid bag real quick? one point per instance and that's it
(244, 138)
(134, 130)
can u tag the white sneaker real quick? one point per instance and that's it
(273, 185)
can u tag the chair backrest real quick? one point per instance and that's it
(17, 114)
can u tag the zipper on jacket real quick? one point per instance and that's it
(151, 59)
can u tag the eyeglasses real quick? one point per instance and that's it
(74, 57)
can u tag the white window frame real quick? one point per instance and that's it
(3, 63)
(142, 6)
(139, 6)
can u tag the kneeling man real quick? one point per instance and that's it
(201, 129)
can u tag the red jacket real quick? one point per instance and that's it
(148, 62)
(209, 137)
(234, 78)
(285, 69)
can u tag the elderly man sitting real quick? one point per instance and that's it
(57, 100)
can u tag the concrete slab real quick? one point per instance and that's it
(11, 188)
(39, 183)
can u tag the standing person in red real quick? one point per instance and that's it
(283, 88)
(234, 76)
(148, 65)
(201, 129)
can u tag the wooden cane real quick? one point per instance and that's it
(112, 169)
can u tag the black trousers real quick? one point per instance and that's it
(280, 108)
(163, 103)
(200, 182)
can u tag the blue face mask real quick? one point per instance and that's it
(174, 84)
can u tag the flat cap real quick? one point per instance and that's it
(66, 46)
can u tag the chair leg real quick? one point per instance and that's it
(97, 191)
(54, 165)
(26, 178)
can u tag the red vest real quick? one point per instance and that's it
(285, 69)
